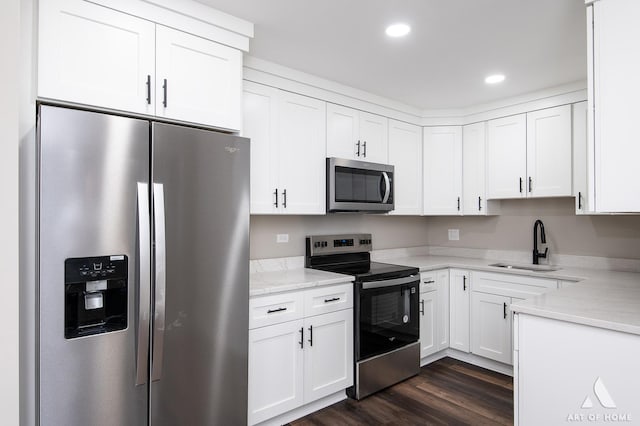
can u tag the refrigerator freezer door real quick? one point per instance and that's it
(200, 370)
(90, 165)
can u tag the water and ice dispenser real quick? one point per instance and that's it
(95, 295)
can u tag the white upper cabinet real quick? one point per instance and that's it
(356, 135)
(92, 55)
(474, 179)
(506, 157)
(614, 67)
(288, 136)
(529, 155)
(549, 152)
(301, 154)
(197, 80)
(260, 123)
(580, 158)
(405, 154)
(97, 56)
(442, 172)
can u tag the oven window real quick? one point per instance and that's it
(358, 185)
(388, 319)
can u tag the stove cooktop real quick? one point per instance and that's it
(371, 271)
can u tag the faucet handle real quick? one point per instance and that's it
(546, 251)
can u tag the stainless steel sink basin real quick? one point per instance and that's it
(533, 268)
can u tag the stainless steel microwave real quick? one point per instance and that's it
(359, 186)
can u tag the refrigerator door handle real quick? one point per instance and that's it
(160, 280)
(144, 284)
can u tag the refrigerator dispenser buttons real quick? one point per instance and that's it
(95, 295)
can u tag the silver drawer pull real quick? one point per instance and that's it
(271, 311)
(333, 299)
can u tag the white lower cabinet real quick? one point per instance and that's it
(491, 326)
(304, 358)
(328, 354)
(428, 323)
(491, 319)
(434, 312)
(275, 370)
(460, 287)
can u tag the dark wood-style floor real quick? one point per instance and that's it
(446, 392)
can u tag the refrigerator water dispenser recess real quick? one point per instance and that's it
(95, 295)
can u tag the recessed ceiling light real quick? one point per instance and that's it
(495, 78)
(398, 30)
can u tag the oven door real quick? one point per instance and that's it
(387, 314)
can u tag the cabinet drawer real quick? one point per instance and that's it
(333, 298)
(275, 309)
(509, 285)
(428, 281)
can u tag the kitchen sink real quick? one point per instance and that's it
(534, 268)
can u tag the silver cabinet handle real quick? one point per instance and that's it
(387, 186)
(160, 281)
(144, 284)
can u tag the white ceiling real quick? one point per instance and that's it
(452, 46)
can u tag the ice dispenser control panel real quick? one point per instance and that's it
(95, 295)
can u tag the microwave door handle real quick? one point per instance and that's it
(387, 185)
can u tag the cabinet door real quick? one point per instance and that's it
(442, 311)
(328, 357)
(549, 152)
(491, 326)
(302, 154)
(506, 157)
(428, 323)
(260, 123)
(342, 132)
(92, 55)
(459, 288)
(197, 80)
(616, 84)
(442, 170)
(473, 169)
(580, 174)
(405, 154)
(374, 138)
(275, 370)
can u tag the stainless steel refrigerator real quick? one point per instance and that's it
(142, 280)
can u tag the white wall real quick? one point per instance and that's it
(605, 236)
(387, 231)
(602, 236)
(9, 217)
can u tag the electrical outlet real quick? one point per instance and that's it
(454, 234)
(282, 238)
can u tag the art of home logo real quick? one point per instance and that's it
(603, 399)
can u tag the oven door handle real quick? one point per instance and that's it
(389, 283)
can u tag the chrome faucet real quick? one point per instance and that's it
(543, 240)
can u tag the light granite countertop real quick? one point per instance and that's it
(268, 282)
(599, 297)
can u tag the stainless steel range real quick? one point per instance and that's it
(387, 324)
